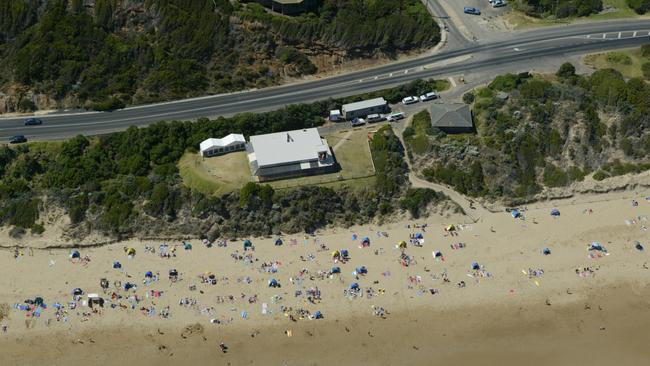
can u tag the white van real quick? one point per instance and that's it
(358, 122)
(396, 116)
(429, 96)
(375, 118)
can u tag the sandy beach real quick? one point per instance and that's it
(518, 305)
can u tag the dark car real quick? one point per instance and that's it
(33, 122)
(18, 139)
(470, 10)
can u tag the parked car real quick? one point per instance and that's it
(358, 122)
(498, 3)
(33, 122)
(375, 118)
(470, 10)
(18, 139)
(429, 96)
(410, 100)
(395, 116)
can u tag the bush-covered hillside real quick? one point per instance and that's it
(127, 183)
(106, 53)
(560, 8)
(551, 131)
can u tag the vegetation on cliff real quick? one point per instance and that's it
(119, 52)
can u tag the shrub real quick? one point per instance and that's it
(600, 175)
(38, 229)
(619, 58)
(417, 199)
(645, 50)
(110, 104)
(565, 71)
(554, 176)
(645, 68)
(468, 98)
(639, 6)
(17, 232)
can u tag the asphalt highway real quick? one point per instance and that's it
(527, 48)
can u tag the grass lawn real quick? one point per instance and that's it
(217, 175)
(628, 61)
(222, 174)
(352, 153)
(519, 20)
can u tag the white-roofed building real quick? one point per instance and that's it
(214, 147)
(364, 108)
(289, 154)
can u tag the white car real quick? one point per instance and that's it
(395, 116)
(428, 96)
(498, 3)
(358, 122)
(410, 100)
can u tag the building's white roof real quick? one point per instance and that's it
(288, 147)
(231, 139)
(364, 104)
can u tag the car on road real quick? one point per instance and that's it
(410, 100)
(470, 10)
(375, 118)
(33, 122)
(395, 116)
(18, 139)
(429, 96)
(358, 122)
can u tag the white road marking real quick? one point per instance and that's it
(604, 35)
(619, 35)
(634, 34)
(453, 83)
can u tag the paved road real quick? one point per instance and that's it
(524, 48)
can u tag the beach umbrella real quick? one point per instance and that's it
(148, 274)
(475, 266)
(278, 242)
(596, 246)
(187, 246)
(130, 251)
(77, 291)
(546, 251)
(450, 228)
(420, 236)
(336, 254)
(117, 265)
(402, 244)
(361, 270)
(75, 254)
(555, 212)
(354, 286)
(318, 315)
(274, 283)
(437, 254)
(638, 246)
(335, 270)
(344, 253)
(354, 236)
(515, 213)
(248, 243)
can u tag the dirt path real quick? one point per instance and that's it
(474, 210)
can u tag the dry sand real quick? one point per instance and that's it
(506, 319)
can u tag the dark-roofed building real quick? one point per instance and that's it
(452, 118)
